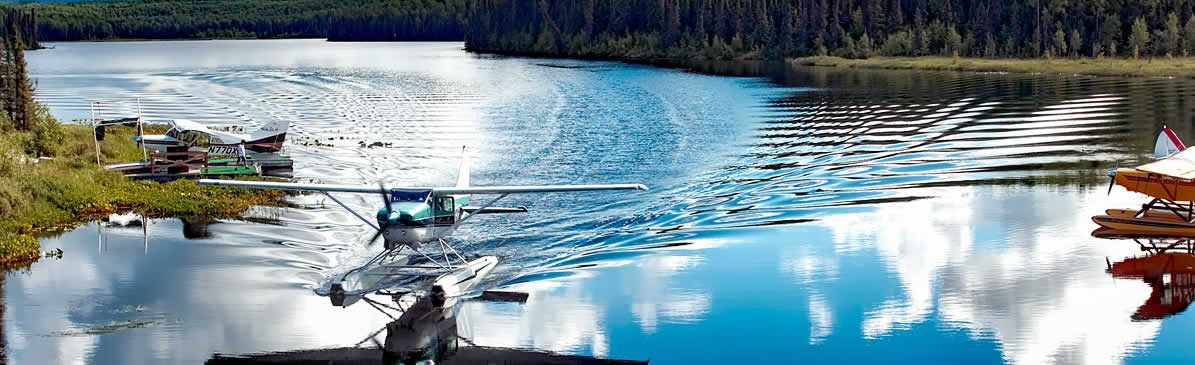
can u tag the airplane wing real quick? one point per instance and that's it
(434, 190)
(533, 189)
(1180, 165)
(331, 188)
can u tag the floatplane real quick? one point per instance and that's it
(413, 224)
(191, 149)
(1170, 181)
(186, 135)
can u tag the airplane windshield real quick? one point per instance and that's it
(409, 196)
(173, 133)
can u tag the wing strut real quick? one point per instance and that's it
(367, 222)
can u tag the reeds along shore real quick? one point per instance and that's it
(1182, 67)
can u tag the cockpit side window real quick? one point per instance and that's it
(444, 204)
(173, 133)
(444, 210)
(203, 140)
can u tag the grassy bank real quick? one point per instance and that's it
(67, 188)
(1182, 67)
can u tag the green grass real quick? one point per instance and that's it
(1182, 67)
(68, 189)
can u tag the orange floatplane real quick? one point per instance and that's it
(1170, 181)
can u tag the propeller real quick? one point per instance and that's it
(386, 224)
(1112, 179)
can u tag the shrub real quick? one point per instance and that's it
(897, 44)
(47, 133)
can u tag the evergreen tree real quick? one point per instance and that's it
(1139, 38)
(1172, 35)
(1110, 33)
(953, 42)
(1059, 43)
(864, 48)
(1189, 36)
(1076, 43)
(18, 103)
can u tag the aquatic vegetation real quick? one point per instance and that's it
(17, 249)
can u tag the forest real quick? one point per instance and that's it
(182, 19)
(19, 27)
(664, 29)
(774, 29)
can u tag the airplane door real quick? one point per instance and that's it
(445, 209)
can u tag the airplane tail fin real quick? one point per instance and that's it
(271, 129)
(462, 177)
(270, 137)
(1167, 144)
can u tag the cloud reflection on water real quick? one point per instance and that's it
(1037, 287)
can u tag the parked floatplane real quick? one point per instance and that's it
(413, 224)
(1170, 181)
(190, 149)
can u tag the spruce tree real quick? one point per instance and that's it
(1060, 42)
(1076, 43)
(1189, 36)
(1173, 37)
(1139, 38)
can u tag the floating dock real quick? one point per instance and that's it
(197, 165)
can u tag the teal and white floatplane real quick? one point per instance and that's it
(414, 223)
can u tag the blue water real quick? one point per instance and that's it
(806, 215)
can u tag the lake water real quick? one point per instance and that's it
(811, 215)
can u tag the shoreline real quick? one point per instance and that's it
(122, 40)
(1176, 67)
(59, 194)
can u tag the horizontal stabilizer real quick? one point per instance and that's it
(494, 210)
(503, 296)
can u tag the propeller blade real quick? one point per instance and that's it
(385, 196)
(1111, 183)
(382, 228)
(376, 235)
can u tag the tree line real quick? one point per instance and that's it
(647, 29)
(772, 29)
(184, 19)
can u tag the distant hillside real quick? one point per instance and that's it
(184, 19)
